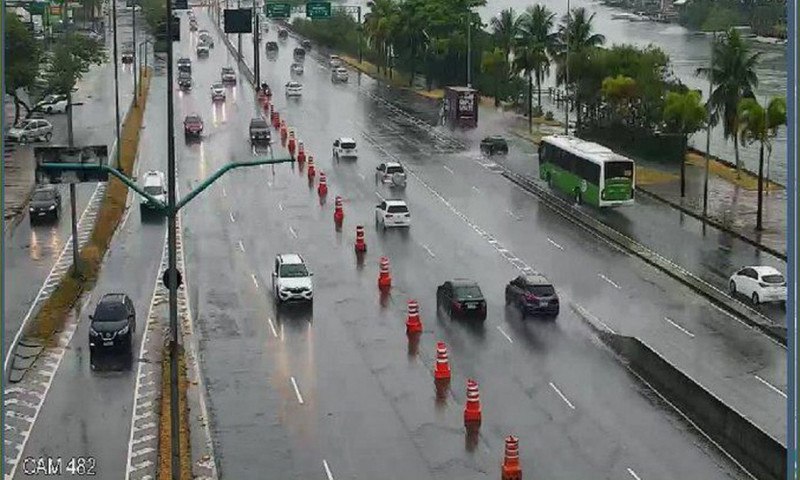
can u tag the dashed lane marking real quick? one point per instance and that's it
(555, 244)
(633, 474)
(505, 334)
(427, 249)
(255, 280)
(293, 232)
(569, 404)
(297, 391)
(610, 282)
(448, 169)
(241, 246)
(233, 219)
(771, 386)
(272, 327)
(224, 192)
(671, 322)
(327, 469)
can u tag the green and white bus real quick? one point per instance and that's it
(588, 172)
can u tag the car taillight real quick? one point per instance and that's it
(483, 306)
(764, 285)
(456, 306)
(531, 297)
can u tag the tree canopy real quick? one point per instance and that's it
(23, 56)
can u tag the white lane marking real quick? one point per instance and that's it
(379, 196)
(361, 175)
(272, 327)
(608, 280)
(224, 192)
(241, 246)
(555, 244)
(476, 189)
(448, 168)
(505, 334)
(255, 280)
(633, 474)
(291, 230)
(687, 332)
(771, 386)
(297, 391)
(725, 312)
(233, 219)
(327, 469)
(428, 250)
(280, 206)
(570, 405)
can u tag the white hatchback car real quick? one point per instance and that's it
(291, 279)
(345, 147)
(154, 184)
(759, 284)
(294, 89)
(392, 213)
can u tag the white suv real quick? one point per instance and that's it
(155, 185)
(294, 89)
(345, 147)
(760, 284)
(291, 279)
(392, 213)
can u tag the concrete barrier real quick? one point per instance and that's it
(761, 455)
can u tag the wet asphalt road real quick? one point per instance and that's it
(88, 412)
(738, 364)
(359, 395)
(32, 250)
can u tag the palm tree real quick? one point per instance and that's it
(505, 28)
(536, 27)
(573, 39)
(378, 24)
(684, 114)
(761, 125)
(732, 75)
(495, 63)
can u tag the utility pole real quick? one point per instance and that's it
(469, 49)
(73, 194)
(116, 77)
(360, 48)
(135, 70)
(239, 35)
(708, 130)
(566, 83)
(172, 272)
(256, 40)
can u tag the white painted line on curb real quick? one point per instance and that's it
(771, 386)
(633, 474)
(611, 282)
(687, 332)
(555, 244)
(505, 334)
(570, 405)
(327, 469)
(297, 391)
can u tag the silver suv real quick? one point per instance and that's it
(291, 279)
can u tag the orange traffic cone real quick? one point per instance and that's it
(442, 371)
(301, 152)
(384, 277)
(361, 246)
(512, 470)
(276, 120)
(311, 170)
(284, 132)
(322, 189)
(292, 144)
(338, 211)
(472, 410)
(413, 322)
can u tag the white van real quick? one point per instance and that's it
(154, 184)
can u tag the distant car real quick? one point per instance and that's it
(761, 284)
(291, 279)
(192, 126)
(45, 204)
(461, 298)
(532, 294)
(154, 184)
(283, 34)
(306, 44)
(392, 213)
(339, 75)
(493, 145)
(297, 69)
(228, 75)
(31, 130)
(52, 104)
(205, 37)
(335, 61)
(299, 53)
(390, 172)
(185, 65)
(126, 56)
(113, 324)
(193, 26)
(202, 51)
(217, 92)
(271, 47)
(185, 80)
(294, 89)
(259, 131)
(344, 147)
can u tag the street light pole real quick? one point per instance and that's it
(360, 48)
(135, 70)
(708, 130)
(256, 33)
(116, 76)
(469, 49)
(566, 69)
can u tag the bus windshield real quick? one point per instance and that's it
(619, 169)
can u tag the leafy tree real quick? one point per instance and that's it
(684, 114)
(620, 91)
(733, 77)
(22, 61)
(378, 25)
(761, 125)
(495, 64)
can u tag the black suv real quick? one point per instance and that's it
(113, 324)
(306, 44)
(45, 204)
(532, 294)
(259, 131)
(272, 46)
(299, 52)
(461, 298)
(494, 144)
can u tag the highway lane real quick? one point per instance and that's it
(31, 251)
(92, 408)
(233, 336)
(742, 366)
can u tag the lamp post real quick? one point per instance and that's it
(144, 44)
(708, 131)
(116, 77)
(566, 71)
(135, 89)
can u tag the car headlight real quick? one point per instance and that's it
(93, 332)
(52, 207)
(31, 209)
(124, 330)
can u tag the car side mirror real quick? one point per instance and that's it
(378, 168)
(91, 316)
(274, 274)
(310, 274)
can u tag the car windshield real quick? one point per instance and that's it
(348, 145)
(394, 169)
(541, 290)
(109, 312)
(192, 120)
(294, 270)
(774, 279)
(217, 86)
(44, 195)
(467, 291)
(227, 71)
(153, 190)
(398, 209)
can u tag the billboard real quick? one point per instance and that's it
(238, 20)
(89, 155)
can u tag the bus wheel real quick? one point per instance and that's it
(578, 199)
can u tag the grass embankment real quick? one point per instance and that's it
(165, 426)
(746, 180)
(51, 317)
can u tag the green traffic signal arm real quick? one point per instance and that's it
(161, 206)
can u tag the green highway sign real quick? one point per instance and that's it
(277, 10)
(37, 8)
(318, 9)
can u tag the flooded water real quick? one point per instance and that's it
(687, 51)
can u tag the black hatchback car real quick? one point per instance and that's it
(461, 298)
(113, 324)
(494, 145)
(45, 204)
(532, 294)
